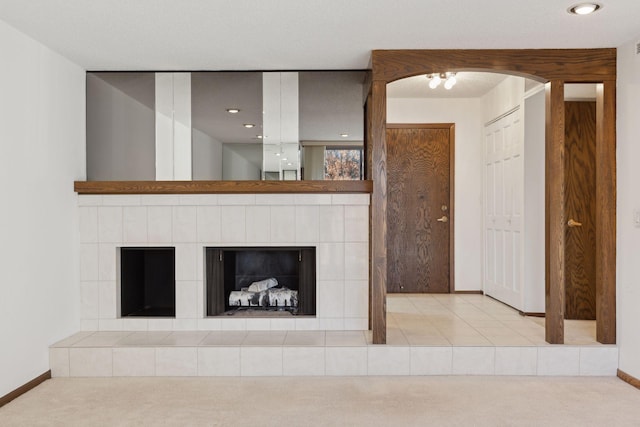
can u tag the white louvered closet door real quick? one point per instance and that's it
(504, 203)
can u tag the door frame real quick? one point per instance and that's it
(452, 141)
(554, 68)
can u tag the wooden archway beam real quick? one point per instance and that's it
(555, 67)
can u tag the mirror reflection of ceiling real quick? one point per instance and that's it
(330, 103)
(139, 86)
(469, 85)
(213, 93)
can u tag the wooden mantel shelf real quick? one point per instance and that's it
(220, 187)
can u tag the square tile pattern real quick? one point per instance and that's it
(426, 335)
(337, 225)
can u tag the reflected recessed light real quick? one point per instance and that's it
(233, 110)
(278, 154)
(249, 125)
(289, 164)
(584, 8)
(284, 159)
(259, 136)
(344, 135)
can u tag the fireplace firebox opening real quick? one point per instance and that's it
(261, 281)
(147, 282)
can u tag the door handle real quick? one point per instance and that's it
(443, 219)
(572, 223)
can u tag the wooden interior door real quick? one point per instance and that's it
(580, 178)
(419, 211)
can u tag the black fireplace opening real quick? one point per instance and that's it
(261, 281)
(147, 282)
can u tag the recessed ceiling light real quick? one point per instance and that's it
(259, 136)
(584, 8)
(278, 154)
(249, 125)
(289, 164)
(233, 110)
(284, 159)
(344, 135)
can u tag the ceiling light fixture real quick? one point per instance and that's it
(249, 125)
(344, 135)
(289, 164)
(434, 80)
(259, 136)
(584, 8)
(451, 81)
(233, 110)
(278, 154)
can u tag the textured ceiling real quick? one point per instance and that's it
(295, 34)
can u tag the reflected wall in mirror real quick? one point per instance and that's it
(241, 125)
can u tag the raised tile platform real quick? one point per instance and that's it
(426, 335)
(308, 353)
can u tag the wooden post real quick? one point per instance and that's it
(555, 223)
(606, 213)
(378, 143)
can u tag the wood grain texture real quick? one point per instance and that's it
(368, 173)
(606, 212)
(379, 212)
(555, 213)
(220, 187)
(630, 379)
(580, 197)
(571, 65)
(418, 179)
(24, 388)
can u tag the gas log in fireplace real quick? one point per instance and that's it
(260, 281)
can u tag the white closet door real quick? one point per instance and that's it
(503, 219)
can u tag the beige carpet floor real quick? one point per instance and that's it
(350, 401)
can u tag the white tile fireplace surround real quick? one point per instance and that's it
(337, 225)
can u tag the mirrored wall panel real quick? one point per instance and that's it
(225, 125)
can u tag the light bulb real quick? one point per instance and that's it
(451, 81)
(584, 8)
(435, 81)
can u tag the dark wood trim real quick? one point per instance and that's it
(570, 65)
(468, 292)
(452, 207)
(630, 379)
(24, 388)
(555, 223)
(420, 125)
(606, 212)
(378, 109)
(368, 174)
(220, 187)
(530, 314)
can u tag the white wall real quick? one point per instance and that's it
(207, 156)
(120, 135)
(504, 97)
(628, 237)
(467, 115)
(42, 151)
(534, 200)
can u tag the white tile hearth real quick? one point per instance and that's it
(421, 341)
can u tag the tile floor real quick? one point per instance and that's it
(470, 320)
(426, 335)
